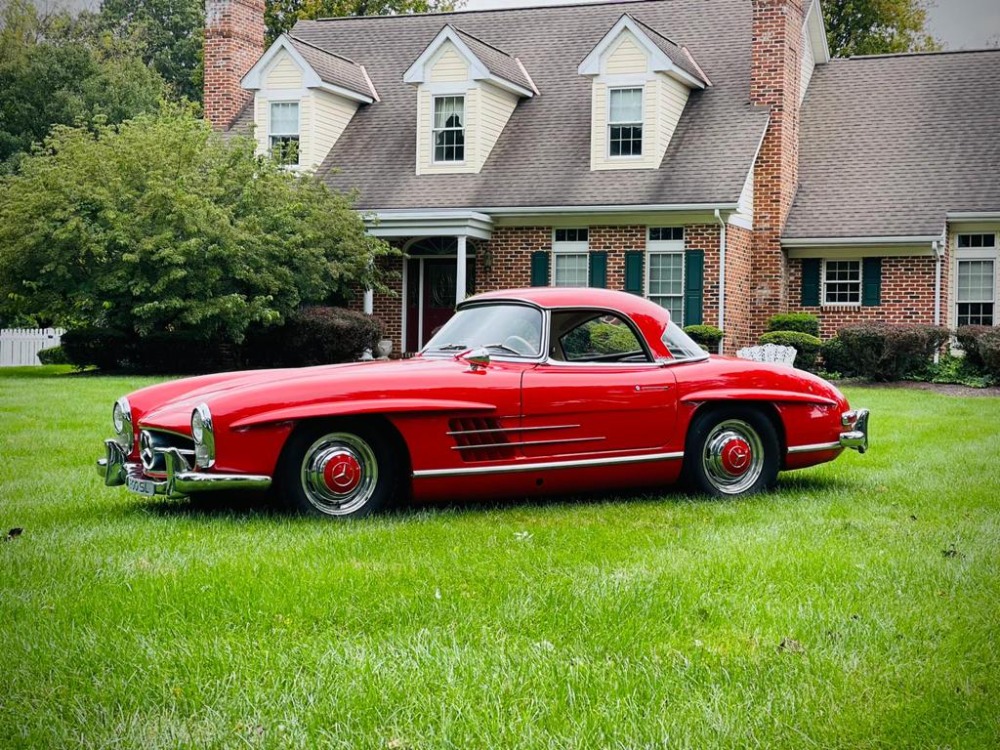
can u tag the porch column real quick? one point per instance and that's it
(460, 271)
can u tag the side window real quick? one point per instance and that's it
(589, 337)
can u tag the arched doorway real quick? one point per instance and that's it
(430, 274)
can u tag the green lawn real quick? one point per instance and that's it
(857, 607)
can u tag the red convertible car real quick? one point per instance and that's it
(523, 392)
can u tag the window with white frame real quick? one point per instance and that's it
(570, 266)
(665, 269)
(975, 299)
(625, 122)
(841, 282)
(448, 133)
(283, 132)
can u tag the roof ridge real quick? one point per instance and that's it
(649, 28)
(482, 41)
(582, 4)
(320, 49)
(925, 53)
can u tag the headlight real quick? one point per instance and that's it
(203, 435)
(121, 420)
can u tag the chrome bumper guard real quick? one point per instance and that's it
(181, 481)
(857, 437)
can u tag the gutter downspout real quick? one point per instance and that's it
(722, 276)
(939, 257)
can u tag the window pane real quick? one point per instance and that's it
(626, 105)
(661, 234)
(976, 280)
(449, 111)
(285, 118)
(571, 235)
(570, 269)
(666, 273)
(449, 128)
(626, 140)
(842, 282)
(605, 338)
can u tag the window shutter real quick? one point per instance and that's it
(599, 269)
(871, 282)
(694, 282)
(633, 271)
(540, 268)
(810, 282)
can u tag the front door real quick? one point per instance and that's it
(430, 296)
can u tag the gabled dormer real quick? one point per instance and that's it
(641, 83)
(304, 97)
(467, 89)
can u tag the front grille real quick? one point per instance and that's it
(152, 440)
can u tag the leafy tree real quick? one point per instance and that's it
(281, 15)
(160, 224)
(872, 27)
(168, 35)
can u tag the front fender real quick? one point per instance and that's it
(355, 407)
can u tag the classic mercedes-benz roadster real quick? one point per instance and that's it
(523, 392)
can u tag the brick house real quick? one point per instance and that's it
(709, 156)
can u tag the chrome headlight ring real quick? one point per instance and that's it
(203, 434)
(121, 420)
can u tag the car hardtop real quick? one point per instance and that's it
(554, 298)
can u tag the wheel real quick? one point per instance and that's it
(345, 470)
(731, 451)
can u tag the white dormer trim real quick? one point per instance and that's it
(254, 79)
(815, 33)
(658, 60)
(417, 73)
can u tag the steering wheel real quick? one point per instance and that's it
(519, 345)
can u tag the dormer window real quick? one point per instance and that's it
(284, 132)
(449, 129)
(625, 122)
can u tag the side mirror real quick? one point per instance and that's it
(478, 359)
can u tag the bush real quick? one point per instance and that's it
(836, 358)
(606, 338)
(708, 337)
(883, 352)
(54, 355)
(104, 348)
(805, 344)
(982, 348)
(801, 322)
(313, 336)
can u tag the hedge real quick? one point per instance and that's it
(883, 352)
(801, 322)
(54, 355)
(805, 344)
(708, 337)
(982, 348)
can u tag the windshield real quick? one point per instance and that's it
(680, 345)
(513, 330)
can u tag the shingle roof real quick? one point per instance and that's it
(542, 157)
(890, 144)
(497, 61)
(333, 68)
(679, 55)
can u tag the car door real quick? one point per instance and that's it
(599, 392)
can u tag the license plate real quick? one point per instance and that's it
(140, 486)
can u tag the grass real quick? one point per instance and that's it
(857, 607)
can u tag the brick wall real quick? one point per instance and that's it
(234, 40)
(739, 308)
(775, 73)
(505, 261)
(907, 296)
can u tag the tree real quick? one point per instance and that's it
(872, 27)
(281, 15)
(161, 225)
(57, 70)
(168, 35)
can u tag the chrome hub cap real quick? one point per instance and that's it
(339, 473)
(734, 456)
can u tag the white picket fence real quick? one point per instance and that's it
(20, 346)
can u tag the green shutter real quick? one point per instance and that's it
(599, 269)
(540, 268)
(633, 271)
(810, 282)
(871, 282)
(694, 283)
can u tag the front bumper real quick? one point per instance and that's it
(180, 481)
(856, 437)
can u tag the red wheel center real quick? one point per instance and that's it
(342, 473)
(736, 455)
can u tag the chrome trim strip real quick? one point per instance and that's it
(815, 447)
(520, 468)
(485, 446)
(513, 429)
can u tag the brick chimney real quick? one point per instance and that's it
(776, 69)
(234, 40)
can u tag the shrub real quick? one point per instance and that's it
(612, 339)
(882, 352)
(837, 359)
(313, 336)
(982, 348)
(708, 337)
(805, 344)
(54, 355)
(801, 322)
(104, 348)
